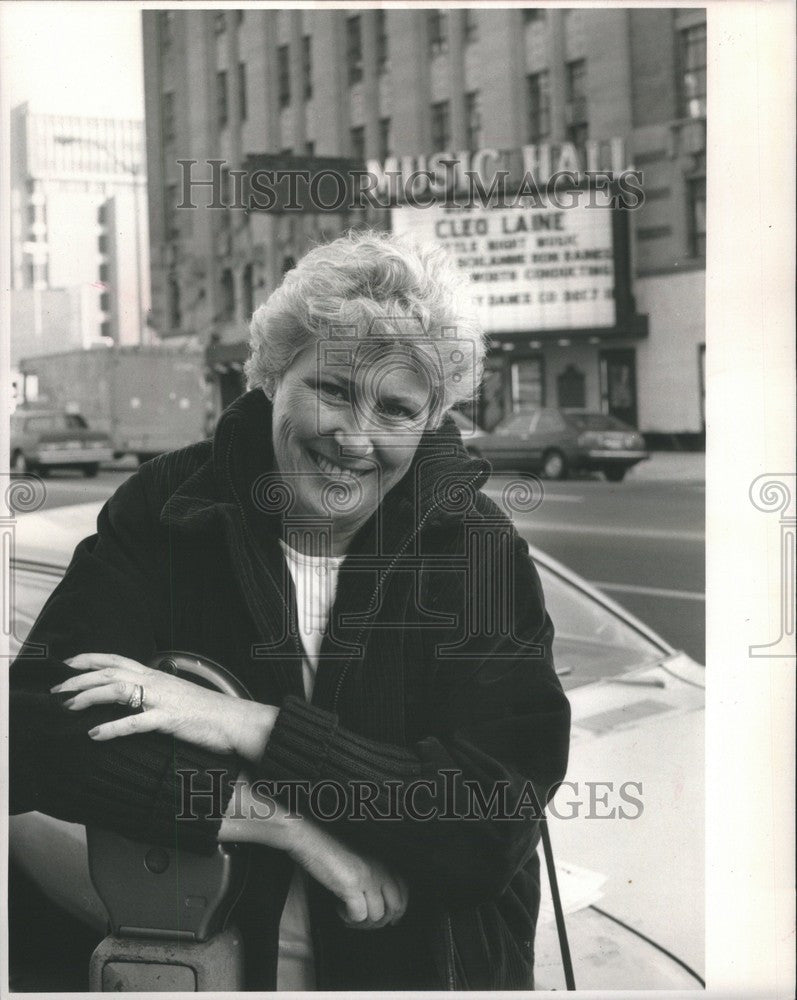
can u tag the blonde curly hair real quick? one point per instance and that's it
(378, 287)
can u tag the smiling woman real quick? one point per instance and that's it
(332, 549)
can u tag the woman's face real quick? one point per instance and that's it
(346, 424)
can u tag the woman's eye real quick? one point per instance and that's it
(332, 390)
(394, 412)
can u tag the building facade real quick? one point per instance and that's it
(78, 190)
(580, 87)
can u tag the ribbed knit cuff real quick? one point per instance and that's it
(299, 741)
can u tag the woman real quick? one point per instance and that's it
(406, 716)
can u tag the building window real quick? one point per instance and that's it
(697, 216)
(307, 66)
(309, 148)
(105, 302)
(169, 120)
(226, 295)
(693, 72)
(102, 243)
(104, 273)
(221, 98)
(382, 49)
(437, 21)
(220, 22)
(576, 102)
(473, 120)
(354, 49)
(105, 329)
(471, 29)
(532, 15)
(357, 143)
(385, 139)
(538, 96)
(167, 28)
(243, 103)
(441, 127)
(175, 313)
(283, 76)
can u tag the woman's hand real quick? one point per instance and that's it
(208, 719)
(370, 895)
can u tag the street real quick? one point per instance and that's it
(642, 541)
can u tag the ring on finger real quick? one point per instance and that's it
(136, 699)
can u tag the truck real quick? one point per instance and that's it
(148, 400)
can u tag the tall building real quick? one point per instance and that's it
(529, 88)
(78, 189)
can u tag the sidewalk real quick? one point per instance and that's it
(675, 466)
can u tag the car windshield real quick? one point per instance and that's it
(596, 422)
(591, 642)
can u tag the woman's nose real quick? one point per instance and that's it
(354, 442)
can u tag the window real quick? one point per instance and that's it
(167, 28)
(175, 312)
(385, 139)
(354, 49)
(437, 21)
(309, 148)
(382, 50)
(105, 329)
(697, 216)
(693, 72)
(105, 302)
(169, 121)
(227, 295)
(471, 28)
(243, 103)
(358, 143)
(104, 273)
(441, 131)
(102, 243)
(283, 76)
(221, 98)
(307, 67)
(532, 15)
(248, 290)
(538, 96)
(576, 102)
(473, 120)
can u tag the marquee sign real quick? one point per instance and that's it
(531, 268)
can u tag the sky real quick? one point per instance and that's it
(73, 58)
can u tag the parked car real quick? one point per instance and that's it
(42, 440)
(637, 720)
(557, 442)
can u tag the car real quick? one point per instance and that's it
(556, 442)
(626, 825)
(42, 440)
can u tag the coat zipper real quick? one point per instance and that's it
(451, 976)
(380, 582)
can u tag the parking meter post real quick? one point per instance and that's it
(128, 964)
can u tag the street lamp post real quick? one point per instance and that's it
(133, 171)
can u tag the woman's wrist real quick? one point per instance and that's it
(253, 729)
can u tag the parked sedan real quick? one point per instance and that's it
(557, 442)
(626, 825)
(49, 439)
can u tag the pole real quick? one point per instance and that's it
(134, 171)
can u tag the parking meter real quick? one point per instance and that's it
(168, 909)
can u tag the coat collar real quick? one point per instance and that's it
(439, 485)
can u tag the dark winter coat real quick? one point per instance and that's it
(436, 668)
